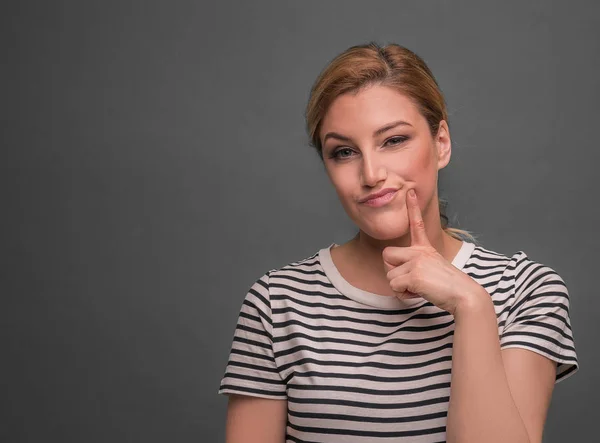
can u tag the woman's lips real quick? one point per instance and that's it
(381, 201)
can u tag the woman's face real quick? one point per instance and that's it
(377, 139)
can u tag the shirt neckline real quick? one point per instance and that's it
(378, 300)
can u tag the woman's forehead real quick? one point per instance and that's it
(369, 109)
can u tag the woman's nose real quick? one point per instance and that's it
(372, 171)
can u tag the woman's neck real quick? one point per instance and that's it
(366, 251)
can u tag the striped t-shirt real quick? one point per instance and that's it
(358, 367)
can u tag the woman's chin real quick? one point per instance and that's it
(386, 226)
(382, 233)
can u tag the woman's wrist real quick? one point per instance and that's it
(475, 302)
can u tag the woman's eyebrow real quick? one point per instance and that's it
(337, 136)
(375, 134)
(390, 126)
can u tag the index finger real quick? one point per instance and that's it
(418, 235)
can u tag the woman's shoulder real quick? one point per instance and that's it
(304, 263)
(482, 253)
(307, 267)
(518, 266)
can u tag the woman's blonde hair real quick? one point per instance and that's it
(393, 66)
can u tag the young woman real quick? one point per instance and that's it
(410, 331)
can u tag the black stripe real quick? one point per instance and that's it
(494, 284)
(367, 419)
(255, 318)
(303, 281)
(252, 354)
(539, 273)
(366, 364)
(490, 255)
(504, 311)
(280, 325)
(297, 440)
(546, 314)
(531, 288)
(522, 301)
(304, 262)
(243, 364)
(503, 301)
(375, 378)
(244, 389)
(247, 328)
(547, 305)
(300, 271)
(264, 284)
(251, 305)
(261, 297)
(390, 312)
(251, 342)
(561, 373)
(557, 281)
(294, 290)
(544, 325)
(521, 271)
(503, 290)
(406, 341)
(490, 274)
(547, 294)
(356, 390)
(474, 265)
(366, 405)
(540, 336)
(332, 352)
(336, 318)
(374, 434)
(266, 381)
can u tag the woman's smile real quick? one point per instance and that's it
(382, 200)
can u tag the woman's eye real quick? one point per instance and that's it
(339, 153)
(344, 153)
(395, 140)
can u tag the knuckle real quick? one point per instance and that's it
(417, 275)
(386, 254)
(397, 286)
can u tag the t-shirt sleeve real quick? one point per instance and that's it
(251, 369)
(538, 318)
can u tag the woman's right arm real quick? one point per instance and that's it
(255, 420)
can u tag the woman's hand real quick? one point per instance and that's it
(420, 270)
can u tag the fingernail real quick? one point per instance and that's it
(411, 193)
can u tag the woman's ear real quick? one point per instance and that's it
(443, 145)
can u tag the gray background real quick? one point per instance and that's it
(154, 165)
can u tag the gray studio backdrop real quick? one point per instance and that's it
(155, 164)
